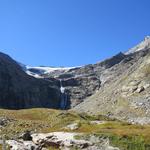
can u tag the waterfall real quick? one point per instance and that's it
(64, 96)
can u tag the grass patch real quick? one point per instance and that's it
(39, 120)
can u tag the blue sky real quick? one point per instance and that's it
(71, 32)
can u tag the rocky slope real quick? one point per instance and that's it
(125, 88)
(19, 90)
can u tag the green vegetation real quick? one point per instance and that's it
(129, 142)
(121, 134)
(123, 142)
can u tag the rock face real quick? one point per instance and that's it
(19, 90)
(79, 88)
(83, 82)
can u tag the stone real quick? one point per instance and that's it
(73, 126)
(22, 145)
(97, 122)
(27, 136)
(59, 139)
(140, 89)
(66, 141)
(4, 121)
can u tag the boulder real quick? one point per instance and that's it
(26, 136)
(73, 126)
(59, 140)
(22, 145)
(97, 122)
(140, 89)
(4, 121)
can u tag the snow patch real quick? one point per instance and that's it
(39, 71)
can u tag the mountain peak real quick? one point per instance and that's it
(147, 37)
(141, 46)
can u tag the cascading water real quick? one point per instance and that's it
(64, 96)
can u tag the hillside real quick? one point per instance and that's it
(124, 93)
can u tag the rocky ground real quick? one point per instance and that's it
(125, 95)
(59, 140)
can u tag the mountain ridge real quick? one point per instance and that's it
(45, 69)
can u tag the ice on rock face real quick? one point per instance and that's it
(37, 72)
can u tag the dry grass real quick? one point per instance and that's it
(146, 70)
(38, 120)
(48, 120)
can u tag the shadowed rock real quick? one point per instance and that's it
(19, 90)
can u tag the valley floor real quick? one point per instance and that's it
(123, 135)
